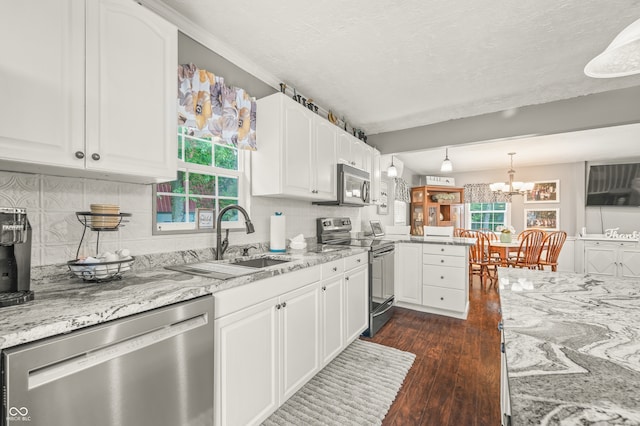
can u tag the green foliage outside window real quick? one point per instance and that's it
(487, 215)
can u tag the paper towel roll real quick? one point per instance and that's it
(277, 243)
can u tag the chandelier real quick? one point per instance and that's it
(512, 187)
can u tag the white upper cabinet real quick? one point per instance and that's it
(103, 115)
(375, 176)
(296, 156)
(42, 82)
(353, 151)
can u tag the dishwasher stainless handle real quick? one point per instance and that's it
(67, 367)
(389, 305)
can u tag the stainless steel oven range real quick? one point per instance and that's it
(337, 231)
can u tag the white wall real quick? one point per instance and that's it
(52, 201)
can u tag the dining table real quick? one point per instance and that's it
(503, 249)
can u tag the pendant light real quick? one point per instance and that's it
(512, 187)
(621, 58)
(446, 166)
(392, 171)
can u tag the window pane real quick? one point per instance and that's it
(226, 157)
(231, 215)
(201, 203)
(170, 209)
(228, 186)
(202, 184)
(197, 151)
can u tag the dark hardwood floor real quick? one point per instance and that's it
(455, 378)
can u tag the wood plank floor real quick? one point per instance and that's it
(455, 379)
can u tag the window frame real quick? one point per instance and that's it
(507, 213)
(244, 195)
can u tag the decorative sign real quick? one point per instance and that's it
(205, 218)
(613, 233)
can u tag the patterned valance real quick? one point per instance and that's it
(211, 110)
(482, 193)
(402, 190)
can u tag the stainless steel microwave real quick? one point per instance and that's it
(354, 187)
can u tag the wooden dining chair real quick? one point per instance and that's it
(480, 263)
(493, 252)
(551, 246)
(529, 250)
(457, 232)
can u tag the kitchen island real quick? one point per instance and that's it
(572, 346)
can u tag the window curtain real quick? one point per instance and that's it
(482, 193)
(212, 110)
(402, 190)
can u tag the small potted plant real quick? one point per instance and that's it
(505, 233)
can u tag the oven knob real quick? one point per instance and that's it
(327, 223)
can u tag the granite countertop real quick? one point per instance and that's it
(66, 303)
(572, 344)
(454, 241)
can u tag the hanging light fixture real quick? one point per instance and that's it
(621, 58)
(512, 187)
(392, 171)
(446, 166)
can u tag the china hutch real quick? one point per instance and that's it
(436, 206)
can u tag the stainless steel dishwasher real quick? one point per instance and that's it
(153, 368)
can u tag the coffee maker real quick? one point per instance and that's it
(15, 256)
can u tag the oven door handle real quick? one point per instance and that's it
(389, 305)
(384, 252)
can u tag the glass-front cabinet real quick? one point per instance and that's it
(436, 206)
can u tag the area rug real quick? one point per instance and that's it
(356, 388)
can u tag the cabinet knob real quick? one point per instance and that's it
(442, 298)
(278, 306)
(346, 278)
(441, 249)
(284, 304)
(79, 154)
(441, 260)
(442, 277)
(324, 288)
(335, 269)
(359, 260)
(95, 156)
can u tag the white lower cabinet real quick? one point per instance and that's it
(408, 279)
(273, 335)
(612, 258)
(433, 278)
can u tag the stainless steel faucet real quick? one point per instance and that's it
(221, 246)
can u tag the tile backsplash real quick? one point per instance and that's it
(52, 202)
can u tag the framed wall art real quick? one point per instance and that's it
(546, 219)
(547, 191)
(383, 206)
(204, 218)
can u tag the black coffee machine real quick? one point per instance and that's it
(15, 256)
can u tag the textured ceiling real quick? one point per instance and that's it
(389, 65)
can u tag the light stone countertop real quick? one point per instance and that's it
(572, 344)
(64, 303)
(454, 241)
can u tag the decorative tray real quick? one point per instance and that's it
(100, 271)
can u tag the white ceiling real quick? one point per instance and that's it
(620, 143)
(394, 64)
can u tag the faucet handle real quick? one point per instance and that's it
(245, 250)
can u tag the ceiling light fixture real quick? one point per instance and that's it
(621, 58)
(511, 187)
(446, 166)
(392, 171)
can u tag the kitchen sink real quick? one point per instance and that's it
(225, 270)
(261, 262)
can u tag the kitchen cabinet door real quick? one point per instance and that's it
(297, 150)
(131, 88)
(408, 280)
(323, 166)
(356, 300)
(300, 338)
(600, 258)
(332, 318)
(629, 263)
(247, 364)
(42, 83)
(345, 141)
